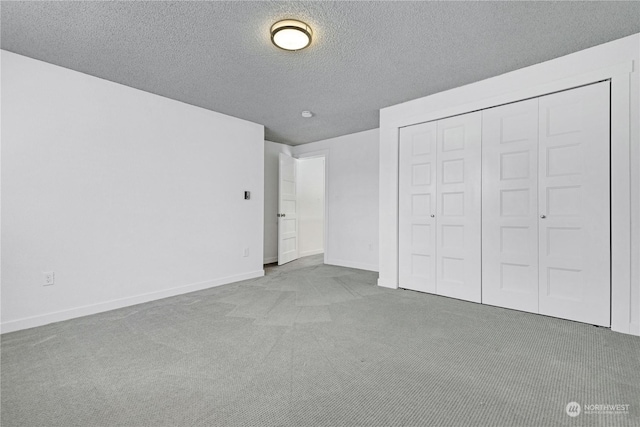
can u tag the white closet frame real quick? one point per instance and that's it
(620, 177)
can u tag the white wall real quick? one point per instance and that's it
(126, 195)
(617, 60)
(351, 196)
(311, 206)
(272, 151)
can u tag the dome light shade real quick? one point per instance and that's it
(290, 34)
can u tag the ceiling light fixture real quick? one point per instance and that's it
(290, 34)
(306, 114)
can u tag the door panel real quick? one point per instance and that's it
(545, 206)
(417, 183)
(510, 206)
(574, 207)
(458, 201)
(287, 208)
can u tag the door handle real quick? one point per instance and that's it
(433, 216)
(543, 216)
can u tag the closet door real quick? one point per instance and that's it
(458, 201)
(510, 206)
(417, 183)
(574, 209)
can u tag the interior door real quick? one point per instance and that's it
(510, 206)
(287, 210)
(458, 217)
(417, 193)
(574, 205)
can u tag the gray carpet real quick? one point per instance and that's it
(316, 345)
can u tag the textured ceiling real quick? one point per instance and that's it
(365, 55)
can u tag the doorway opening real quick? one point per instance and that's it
(311, 200)
(302, 212)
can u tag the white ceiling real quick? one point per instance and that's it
(365, 55)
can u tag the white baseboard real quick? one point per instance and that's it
(72, 313)
(312, 252)
(387, 284)
(270, 260)
(351, 264)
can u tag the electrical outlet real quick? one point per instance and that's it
(245, 252)
(48, 278)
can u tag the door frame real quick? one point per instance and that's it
(325, 226)
(621, 265)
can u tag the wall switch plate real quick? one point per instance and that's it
(48, 278)
(245, 252)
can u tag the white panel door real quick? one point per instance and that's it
(510, 206)
(288, 210)
(458, 220)
(417, 184)
(574, 206)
